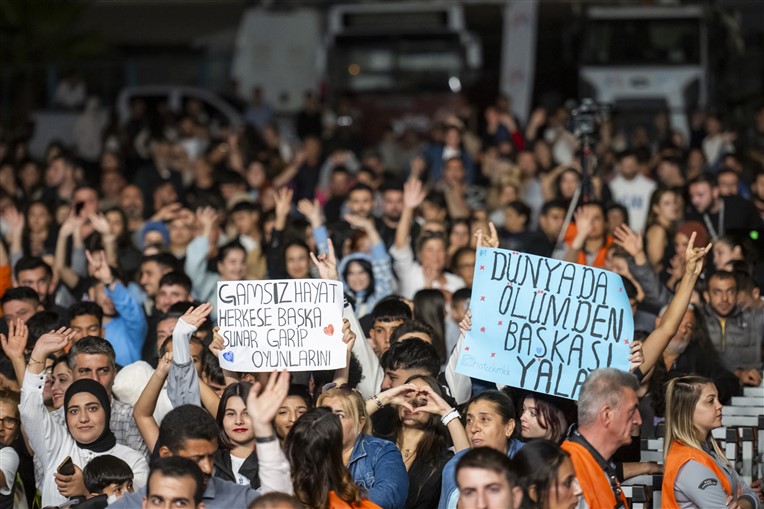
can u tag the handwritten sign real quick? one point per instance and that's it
(293, 324)
(544, 325)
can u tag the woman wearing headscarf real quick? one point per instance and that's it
(86, 435)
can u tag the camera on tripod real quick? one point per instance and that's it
(588, 117)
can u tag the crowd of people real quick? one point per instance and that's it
(112, 394)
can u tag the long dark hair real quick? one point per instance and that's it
(124, 240)
(240, 389)
(433, 442)
(314, 449)
(430, 307)
(537, 465)
(366, 266)
(553, 414)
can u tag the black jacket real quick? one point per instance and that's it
(223, 469)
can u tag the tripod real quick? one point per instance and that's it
(585, 191)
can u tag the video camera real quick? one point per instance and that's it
(588, 117)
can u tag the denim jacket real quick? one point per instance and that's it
(449, 492)
(377, 466)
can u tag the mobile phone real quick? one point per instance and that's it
(78, 207)
(66, 467)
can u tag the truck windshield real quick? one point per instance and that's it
(395, 64)
(664, 41)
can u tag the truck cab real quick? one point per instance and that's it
(645, 60)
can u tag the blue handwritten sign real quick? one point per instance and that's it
(543, 324)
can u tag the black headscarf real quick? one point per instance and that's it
(106, 440)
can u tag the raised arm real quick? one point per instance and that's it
(448, 415)
(108, 239)
(461, 385)
(45, 435)
(275, 254)
(274, 471)
(583, 218)
(15, 221)
(144, 408)
(413, 196)
(657, 341)
(348, 337)
(68, 229)
(655, 292)
(183, 381)
(14, 346)
(311, 209)
(127, 308)
(288, 173)
(381, 264)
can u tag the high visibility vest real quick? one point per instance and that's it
(678, 455)
(594, 482)
(599, 259)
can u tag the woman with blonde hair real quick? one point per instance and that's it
(696, 472)
(376, 465)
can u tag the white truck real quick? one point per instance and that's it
(646, 59)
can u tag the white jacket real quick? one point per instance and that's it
(53, 443)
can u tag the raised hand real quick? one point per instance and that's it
(538, 117)
(418, 165)
(164, 364)
(583, 217)
(195, 316)
(466, 324)
(98, 267)
(51, 342)
(434, 404)
(491, 240)
(326, 263)
(636, 356)
(631, 242)
(15, 344)
(15, 221)
(283, 200)
(218, 343)
(348, 336)
(208, 218)
(262, 407)
(413, 193)
(311, 210)
(360, 223)
(100, 224)
(168, 212)
(399, 396)
(693, 256)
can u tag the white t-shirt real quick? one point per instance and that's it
(9, 463)
(236, 464)
(635, 195)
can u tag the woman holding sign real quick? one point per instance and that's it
(696, 472)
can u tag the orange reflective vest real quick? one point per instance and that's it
(678, 455)
(599, 258)
(593, 480)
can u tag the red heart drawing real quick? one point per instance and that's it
(329, 330)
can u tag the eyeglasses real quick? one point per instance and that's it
(9, 422)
